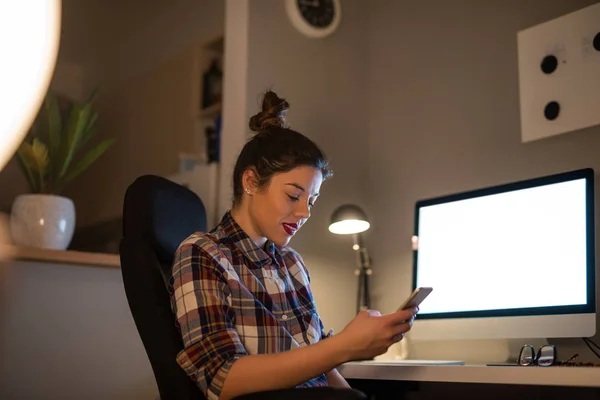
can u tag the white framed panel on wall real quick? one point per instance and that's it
(559, 74)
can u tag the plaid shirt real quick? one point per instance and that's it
(232, 298)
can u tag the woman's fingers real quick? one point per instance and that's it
(402, 328)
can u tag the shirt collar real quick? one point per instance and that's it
(246, 245)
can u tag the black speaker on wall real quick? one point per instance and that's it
(552, 110)
(549, 64)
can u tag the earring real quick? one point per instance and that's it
(248, 192)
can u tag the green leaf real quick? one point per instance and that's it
(78, 121)
(53, 134)
(40, 152)
(70, 128)
(92, 121)
(88, 159)
(90, 131)
(35, 158)
(50, 155)
(92, 97)
(54, 124)
(39, 155)
(24, 162)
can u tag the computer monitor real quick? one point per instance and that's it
(510, 261)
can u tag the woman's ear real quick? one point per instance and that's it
(249, 180)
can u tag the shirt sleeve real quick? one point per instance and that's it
(205, 319)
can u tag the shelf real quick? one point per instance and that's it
(211, 112)
(22, 253)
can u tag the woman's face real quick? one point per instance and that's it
(279, 210)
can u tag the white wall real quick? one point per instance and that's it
(325, 83)
(443, 118)
(410, 100)
(66, 332)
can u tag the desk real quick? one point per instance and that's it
(454, 381)
(553, 376)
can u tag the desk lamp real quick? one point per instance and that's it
(29, 40)
(350, 219)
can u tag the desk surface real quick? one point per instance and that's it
(511, 375)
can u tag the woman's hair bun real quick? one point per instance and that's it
(272, 114)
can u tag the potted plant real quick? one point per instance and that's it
(56, 150)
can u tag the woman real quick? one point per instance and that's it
(242, 298)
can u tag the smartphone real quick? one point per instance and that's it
(416, 298)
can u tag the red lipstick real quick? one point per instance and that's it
(290, 229)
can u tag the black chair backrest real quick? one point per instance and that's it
(158, 215)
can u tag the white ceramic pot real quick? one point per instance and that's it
(43, 220)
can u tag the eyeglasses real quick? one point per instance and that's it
(545, 357)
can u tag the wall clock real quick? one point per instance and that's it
(314, 18)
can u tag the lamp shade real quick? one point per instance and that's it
(348, 219)
(29, 40)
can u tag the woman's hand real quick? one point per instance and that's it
(370, 334)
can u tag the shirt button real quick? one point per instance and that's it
(284, 316)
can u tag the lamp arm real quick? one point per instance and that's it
(362, 254)
(363, 272)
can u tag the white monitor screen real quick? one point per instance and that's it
(513, 247)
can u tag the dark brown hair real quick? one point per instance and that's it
(275, 148)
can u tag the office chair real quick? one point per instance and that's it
(158, 215)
